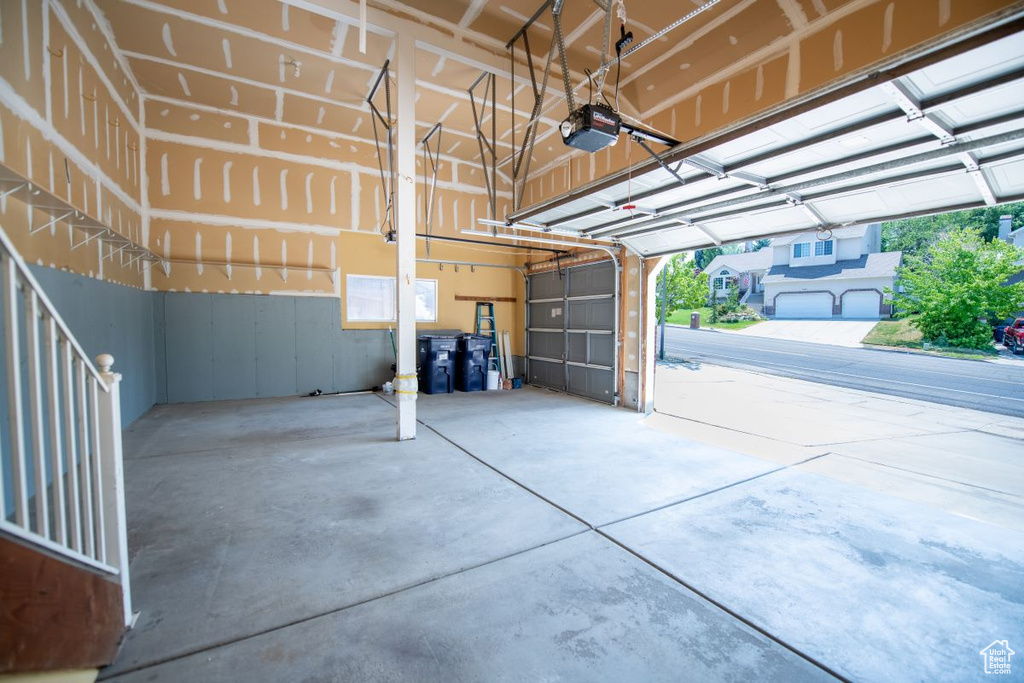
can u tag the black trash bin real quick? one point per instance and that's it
(436, 364)
(471, 362)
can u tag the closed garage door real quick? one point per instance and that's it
(817, 305)
(572, 330)
(861, 305)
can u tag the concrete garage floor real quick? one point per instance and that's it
(528, 535)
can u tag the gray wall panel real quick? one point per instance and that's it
(275, 346)
(314, 347)
(146, 395)
(234, 346)
(362, 359)
(188, 323)
(159, 351)
(180, 346)
(109, 318)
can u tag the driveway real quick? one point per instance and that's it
(834, 332)
(954, 459)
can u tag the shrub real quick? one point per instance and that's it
(955, 284)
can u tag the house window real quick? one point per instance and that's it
(718, 283)
(823, 248)
(802, 250)
(372, 299)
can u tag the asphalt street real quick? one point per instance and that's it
(992, 387)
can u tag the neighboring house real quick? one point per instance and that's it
(845, 276)
(1015, 238)
(1008, 234)
(737, 271)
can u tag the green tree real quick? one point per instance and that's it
(914, 235)
(761, 244)
(687, 287)
(703, 257)
(956, 284)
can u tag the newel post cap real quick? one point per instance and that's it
(105, 361)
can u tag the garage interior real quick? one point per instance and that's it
(241, 204)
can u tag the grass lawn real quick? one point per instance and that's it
(683, 318)
(902, 335)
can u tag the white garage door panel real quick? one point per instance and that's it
(861, 305)
(815, 305)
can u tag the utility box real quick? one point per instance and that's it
(695, 321)
(472, 352)
(436, 364)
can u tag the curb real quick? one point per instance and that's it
(922, 352)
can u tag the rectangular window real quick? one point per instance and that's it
(718, 283)
(426, 301)
(823, 248)
(802, 250)
(372, 299)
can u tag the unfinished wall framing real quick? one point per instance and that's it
(238, 150)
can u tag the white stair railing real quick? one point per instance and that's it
(746, 294)
(61, 471)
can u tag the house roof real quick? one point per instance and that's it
(869, 265)
(840, 233)
(743, 262)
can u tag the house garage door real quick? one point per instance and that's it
(812, 305)
(572, 330)
(861, 305)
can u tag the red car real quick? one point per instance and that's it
(1013, 336)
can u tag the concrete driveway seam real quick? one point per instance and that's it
(313, 617)
(723, 607)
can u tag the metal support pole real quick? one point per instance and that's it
(405, 227)
(664, 293)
